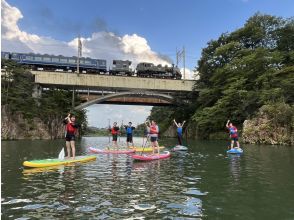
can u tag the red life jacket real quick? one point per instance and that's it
(153, 129)
(113, 131)
(70, 128)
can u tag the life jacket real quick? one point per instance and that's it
(113, 131)
(129, 130)
(233, 131)
(180, 130)
(70, 128)
(154, 129)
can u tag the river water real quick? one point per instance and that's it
(203, 183)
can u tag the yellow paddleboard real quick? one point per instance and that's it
(56, 162)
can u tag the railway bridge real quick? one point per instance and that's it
(95, 89)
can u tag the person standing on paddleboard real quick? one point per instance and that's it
(71, 130)
(114, 131)
(180, 131)
(233, 134)
(129, 129)
(153, 133)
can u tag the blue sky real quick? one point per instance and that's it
(166, 24)
(138, 30)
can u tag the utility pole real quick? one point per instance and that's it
(181, 56)
(184, 60)
(78, 69)
(79, 55)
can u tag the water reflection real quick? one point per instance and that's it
(200, 183)
(235, 167)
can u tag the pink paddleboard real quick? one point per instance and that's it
(149, 157)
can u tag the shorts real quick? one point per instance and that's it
(234, 139)
(114, 137)
(130, 138)
(70, 137)
(153, 139)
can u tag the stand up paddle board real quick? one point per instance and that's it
(235, 151)
(179, 148)
(105, 151)
(146, 149)
(145, 157)
(56, 162)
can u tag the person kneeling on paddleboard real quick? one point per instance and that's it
(233, 134)
(129, 129)
(153, 133)
(71, 130)
(179, 131)
(114, 131)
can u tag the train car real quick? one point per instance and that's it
(121, 67)
(159, 71)
(88, 65)
(57, 63)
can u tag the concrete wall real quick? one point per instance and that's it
(111, 82)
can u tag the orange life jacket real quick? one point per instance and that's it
(153, 129)
(113, 131)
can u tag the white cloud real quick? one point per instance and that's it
(103, 45)
(99, 114)
(190, 74)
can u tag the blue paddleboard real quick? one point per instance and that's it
(235, 151)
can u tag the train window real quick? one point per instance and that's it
(103, 63)
(82, 61)
(88, 62)
(71, 60)
(47, 59)
(15, 55)
(29, 58)
(54, 59)
(63, 60)
(38, 58)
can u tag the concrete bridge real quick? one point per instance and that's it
(116, 89)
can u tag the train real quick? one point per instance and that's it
(46, 62)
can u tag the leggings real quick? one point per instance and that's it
(180, 139)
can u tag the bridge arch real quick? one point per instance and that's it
(101, 99)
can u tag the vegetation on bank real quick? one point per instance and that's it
(17, 96)
(241, 72)
(93, 131)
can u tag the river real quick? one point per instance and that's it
(203, 183)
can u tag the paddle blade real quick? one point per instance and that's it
(61, 154)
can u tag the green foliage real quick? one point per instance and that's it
(280, 114)
(244, 70)
(16, 93)
(240, 72)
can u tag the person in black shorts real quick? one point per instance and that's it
(129, 129)
(70, 135)
(114, 131)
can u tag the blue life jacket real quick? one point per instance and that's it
(129, 130)
(179, 130)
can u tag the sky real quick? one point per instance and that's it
(137, 30)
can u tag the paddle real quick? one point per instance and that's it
(120, 130)
(61, 154)
(144, 145)
(108, 134)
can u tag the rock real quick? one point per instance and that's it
(265, 129)
(16, 127)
